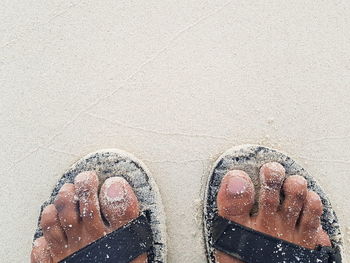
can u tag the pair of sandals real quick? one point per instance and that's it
(146, 234)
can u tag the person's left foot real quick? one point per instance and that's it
(75, 218)
(296, 219)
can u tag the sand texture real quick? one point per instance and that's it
(176, 83)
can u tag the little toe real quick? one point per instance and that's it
(312, 211)
(236, 197)
(40, 251)
(66, 204)
(53, 232)
(295, 190)
(119, 204)
(323, 239)
(310, 223)
(86, 188)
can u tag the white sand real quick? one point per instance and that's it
(176, 83)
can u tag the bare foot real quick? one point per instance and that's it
(296, 220)
(74, 220)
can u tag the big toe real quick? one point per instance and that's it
(235, 200)
(119, 204)
(236, 197)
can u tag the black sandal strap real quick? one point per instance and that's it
(251, 246)
(120, 246)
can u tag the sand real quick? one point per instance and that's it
(176, 83)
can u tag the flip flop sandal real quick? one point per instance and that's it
(147, 233)
(247, 244)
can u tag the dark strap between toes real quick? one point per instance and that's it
(251, 246)
(120, 246)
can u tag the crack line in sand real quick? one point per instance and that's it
(156, 131)
(22, 35)
(345, 137)
(176, 162)
(325, 160)
(141, 66)
(13, 164)
(61, 151)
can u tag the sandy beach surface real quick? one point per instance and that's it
(176, 83)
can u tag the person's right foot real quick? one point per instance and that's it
(296, 220)
(74, 220)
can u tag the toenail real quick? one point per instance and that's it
(236, 185)
(116, 191)
(86, 178)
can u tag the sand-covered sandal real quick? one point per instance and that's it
(146, 233)
(231, 239)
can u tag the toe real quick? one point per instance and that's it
(118, 201)
(40, 251)
(271, 177)
(236, 197)
(53, 232)
(310, 229)
(119, 205)
(312, 211)
(67, 207)
(295, 190)
(221, 257)
(323, 239)
(86, 188)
